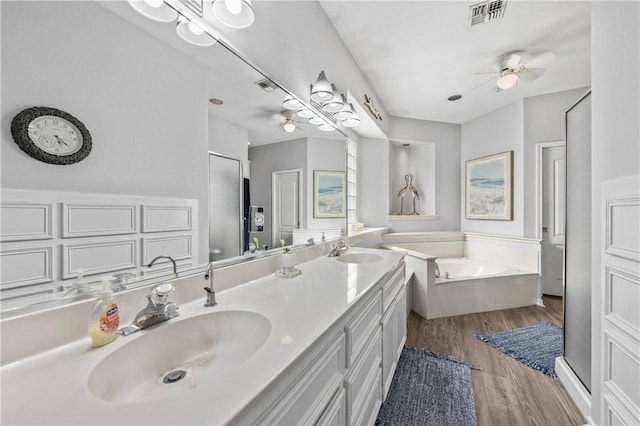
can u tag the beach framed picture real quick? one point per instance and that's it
(329, 194)
(489, 187)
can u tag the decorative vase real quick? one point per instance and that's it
(288, 260)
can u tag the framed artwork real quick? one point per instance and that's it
(329, 194)
(489, 187)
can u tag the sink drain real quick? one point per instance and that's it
(174, 376)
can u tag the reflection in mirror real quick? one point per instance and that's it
(141, 92)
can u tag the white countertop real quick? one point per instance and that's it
(51, 387)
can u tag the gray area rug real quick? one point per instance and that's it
(537, 346)
(429, 389)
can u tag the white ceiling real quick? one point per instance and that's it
(415, 54)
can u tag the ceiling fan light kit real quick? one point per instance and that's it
(507, 80)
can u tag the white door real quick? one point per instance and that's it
(553, 202)
(287, 201)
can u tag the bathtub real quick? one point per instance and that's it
(465, 285)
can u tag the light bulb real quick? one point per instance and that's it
(291, 103)
(346, 111)
(316, 120)
(194, 28)
(289, 127)
(321, 90)
(154, 3)
(326, 127)
(507, 80)
(305, 112)
(234, 6)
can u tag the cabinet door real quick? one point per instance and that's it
(389, 348)
(400, 322)
(336, 412)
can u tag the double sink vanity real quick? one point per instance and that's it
(319, 348)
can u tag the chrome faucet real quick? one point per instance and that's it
(158, 310)
(211, 294)
(340, 248)
(175, 268)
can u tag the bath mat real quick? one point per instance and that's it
(537, 346)
(429, 389)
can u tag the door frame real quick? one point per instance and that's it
(539, 149)
(273, 199)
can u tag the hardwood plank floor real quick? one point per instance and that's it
(506, 391)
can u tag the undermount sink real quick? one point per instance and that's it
(359, 258)
(177, 356)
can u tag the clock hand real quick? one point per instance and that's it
(60, 140)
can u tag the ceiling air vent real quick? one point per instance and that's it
(196, 6)
(486, 11)
(267, 85)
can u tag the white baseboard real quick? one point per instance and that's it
(540, 302)
(590, 422)
(578, 393)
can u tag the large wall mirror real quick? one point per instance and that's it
(144, 94)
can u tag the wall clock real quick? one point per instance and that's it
(51, 135)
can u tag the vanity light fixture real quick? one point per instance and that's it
(507, 80)
(345, 112)
(352, 121)
(155, 10)
(317, 121)
(192, 33)
(291, 103)
(321, 90)
(326, 127)
(305, 112)
(334, 104)
(235, 14)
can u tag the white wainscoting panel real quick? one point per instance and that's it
(166, 218)
(22, 221)
(86, 220)
(620, 302)
(623, 228)
(97, 258)
(179, 247)
(27, 266)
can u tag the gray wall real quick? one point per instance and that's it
(149, 128)
(266, 159)
(229, 139)
(615, 147)
(543, 122)
(375, 159)
(499, 131)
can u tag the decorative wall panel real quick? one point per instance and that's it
(27, 266)
(25, 221)
(179, 247)
(96, 258)
(85, 220)
(166, 218)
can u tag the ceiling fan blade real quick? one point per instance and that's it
(530, 75)
(541, 60)
(481, 73)
(513, 61)
(483, 83)
(279, 117)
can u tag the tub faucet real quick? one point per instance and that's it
(175, 268)
(158, 310)
(211, 294)
(437, 270)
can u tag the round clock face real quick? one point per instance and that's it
(259, 219)
(51, 135)
(55, 135)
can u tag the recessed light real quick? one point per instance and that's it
(454, 98)
(216, 101)
(406, 144)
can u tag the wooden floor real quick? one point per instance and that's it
(506, 391)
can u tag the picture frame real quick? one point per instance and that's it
(489, 187)
(329, 194)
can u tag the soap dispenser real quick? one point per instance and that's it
(105, 316)
(79, 289)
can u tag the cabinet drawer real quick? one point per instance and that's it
(307, 400)
(336, 412)
(373, 401)
(365, 374)
(359, 330)
(391, 287)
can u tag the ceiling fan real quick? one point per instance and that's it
(287, 121)
(514, 68)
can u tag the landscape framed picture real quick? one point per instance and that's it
(329, 194)
(489, 187)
